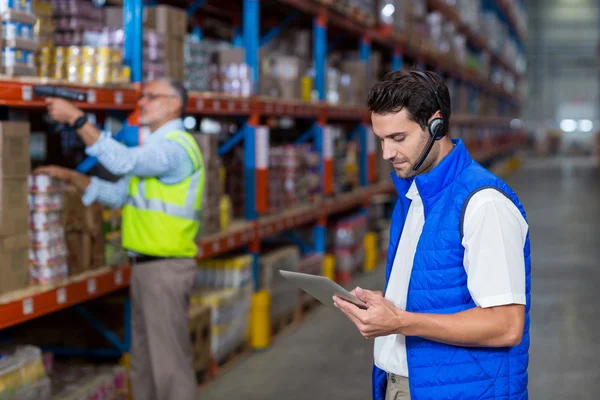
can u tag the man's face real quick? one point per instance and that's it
(403, 142)
(159, 103)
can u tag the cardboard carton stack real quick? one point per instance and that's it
(293, 176)
(210, 222)
(48, 253)
(171, 22)
(19, 43)
(84, 233)
(14, 213)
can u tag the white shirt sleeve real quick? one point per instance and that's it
(494, 238)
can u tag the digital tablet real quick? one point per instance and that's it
(321, 288)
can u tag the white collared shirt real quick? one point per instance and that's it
(494, 237)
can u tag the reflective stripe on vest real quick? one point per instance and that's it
(186, 211)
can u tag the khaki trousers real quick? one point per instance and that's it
(397, 388)
(161, 348)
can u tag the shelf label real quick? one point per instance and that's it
(118, 97)
(244, 106)
(269, 108)
(215, 246)
(279, 108)
(231, 106)
(327, 143)
(91, 96)
(199, 104)
(262, 147)
(91, 286)
(118, 278)
(61, 295)
(27, 93)
(370, 140)
(230, 242)
(28, 306)
(217, 105)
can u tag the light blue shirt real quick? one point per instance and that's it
(158, 157)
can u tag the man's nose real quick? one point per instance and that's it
(388, 152)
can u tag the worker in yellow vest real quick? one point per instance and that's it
(160, 191)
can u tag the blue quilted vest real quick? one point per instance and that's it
(438, 284)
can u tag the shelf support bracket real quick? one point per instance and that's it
(233, 141)
(304, 247)
(272, 34)
(194, 7)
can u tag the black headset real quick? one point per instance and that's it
(438, 127)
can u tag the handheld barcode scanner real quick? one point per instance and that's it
(60, 92)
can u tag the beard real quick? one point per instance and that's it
(406, 170)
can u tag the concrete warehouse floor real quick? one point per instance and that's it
(326, 358)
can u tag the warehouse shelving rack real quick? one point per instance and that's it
(37, 301)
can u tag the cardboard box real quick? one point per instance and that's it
(14, 262)
(209, 146)
(168, 20)
(200, 334)
(14, 149)
(14, 208)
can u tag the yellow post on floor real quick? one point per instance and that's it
(260, 320)
(125, 361)
(329, 267)
(371, 252)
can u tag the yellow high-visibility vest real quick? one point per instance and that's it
(163, 220)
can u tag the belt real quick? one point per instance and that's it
(142, 258)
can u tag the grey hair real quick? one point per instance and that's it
(179, 89)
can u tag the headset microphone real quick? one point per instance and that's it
(425, 154)
(438, 127)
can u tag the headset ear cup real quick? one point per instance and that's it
(436, 128)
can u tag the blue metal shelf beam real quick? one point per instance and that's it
(320, 55)
(251, 29)
(132, 17)
(272, 34)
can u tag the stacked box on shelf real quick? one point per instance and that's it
(43, 30)
(88, 64)
(72, 18)
(84, 233)
(230, 317)
(310, 264)
(210, 222)
(230, 74)
(293, 176)
(284, 75)
(197, 60)
(48, 254)
(234, 180)
(22, 374)
(14, 212)
(171, 22)
(284, 295)
(19, 43)
(346, 244)
(345, 159)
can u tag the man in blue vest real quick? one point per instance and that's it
(453, 322)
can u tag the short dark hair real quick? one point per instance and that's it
(403, 89)
(180, 90)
